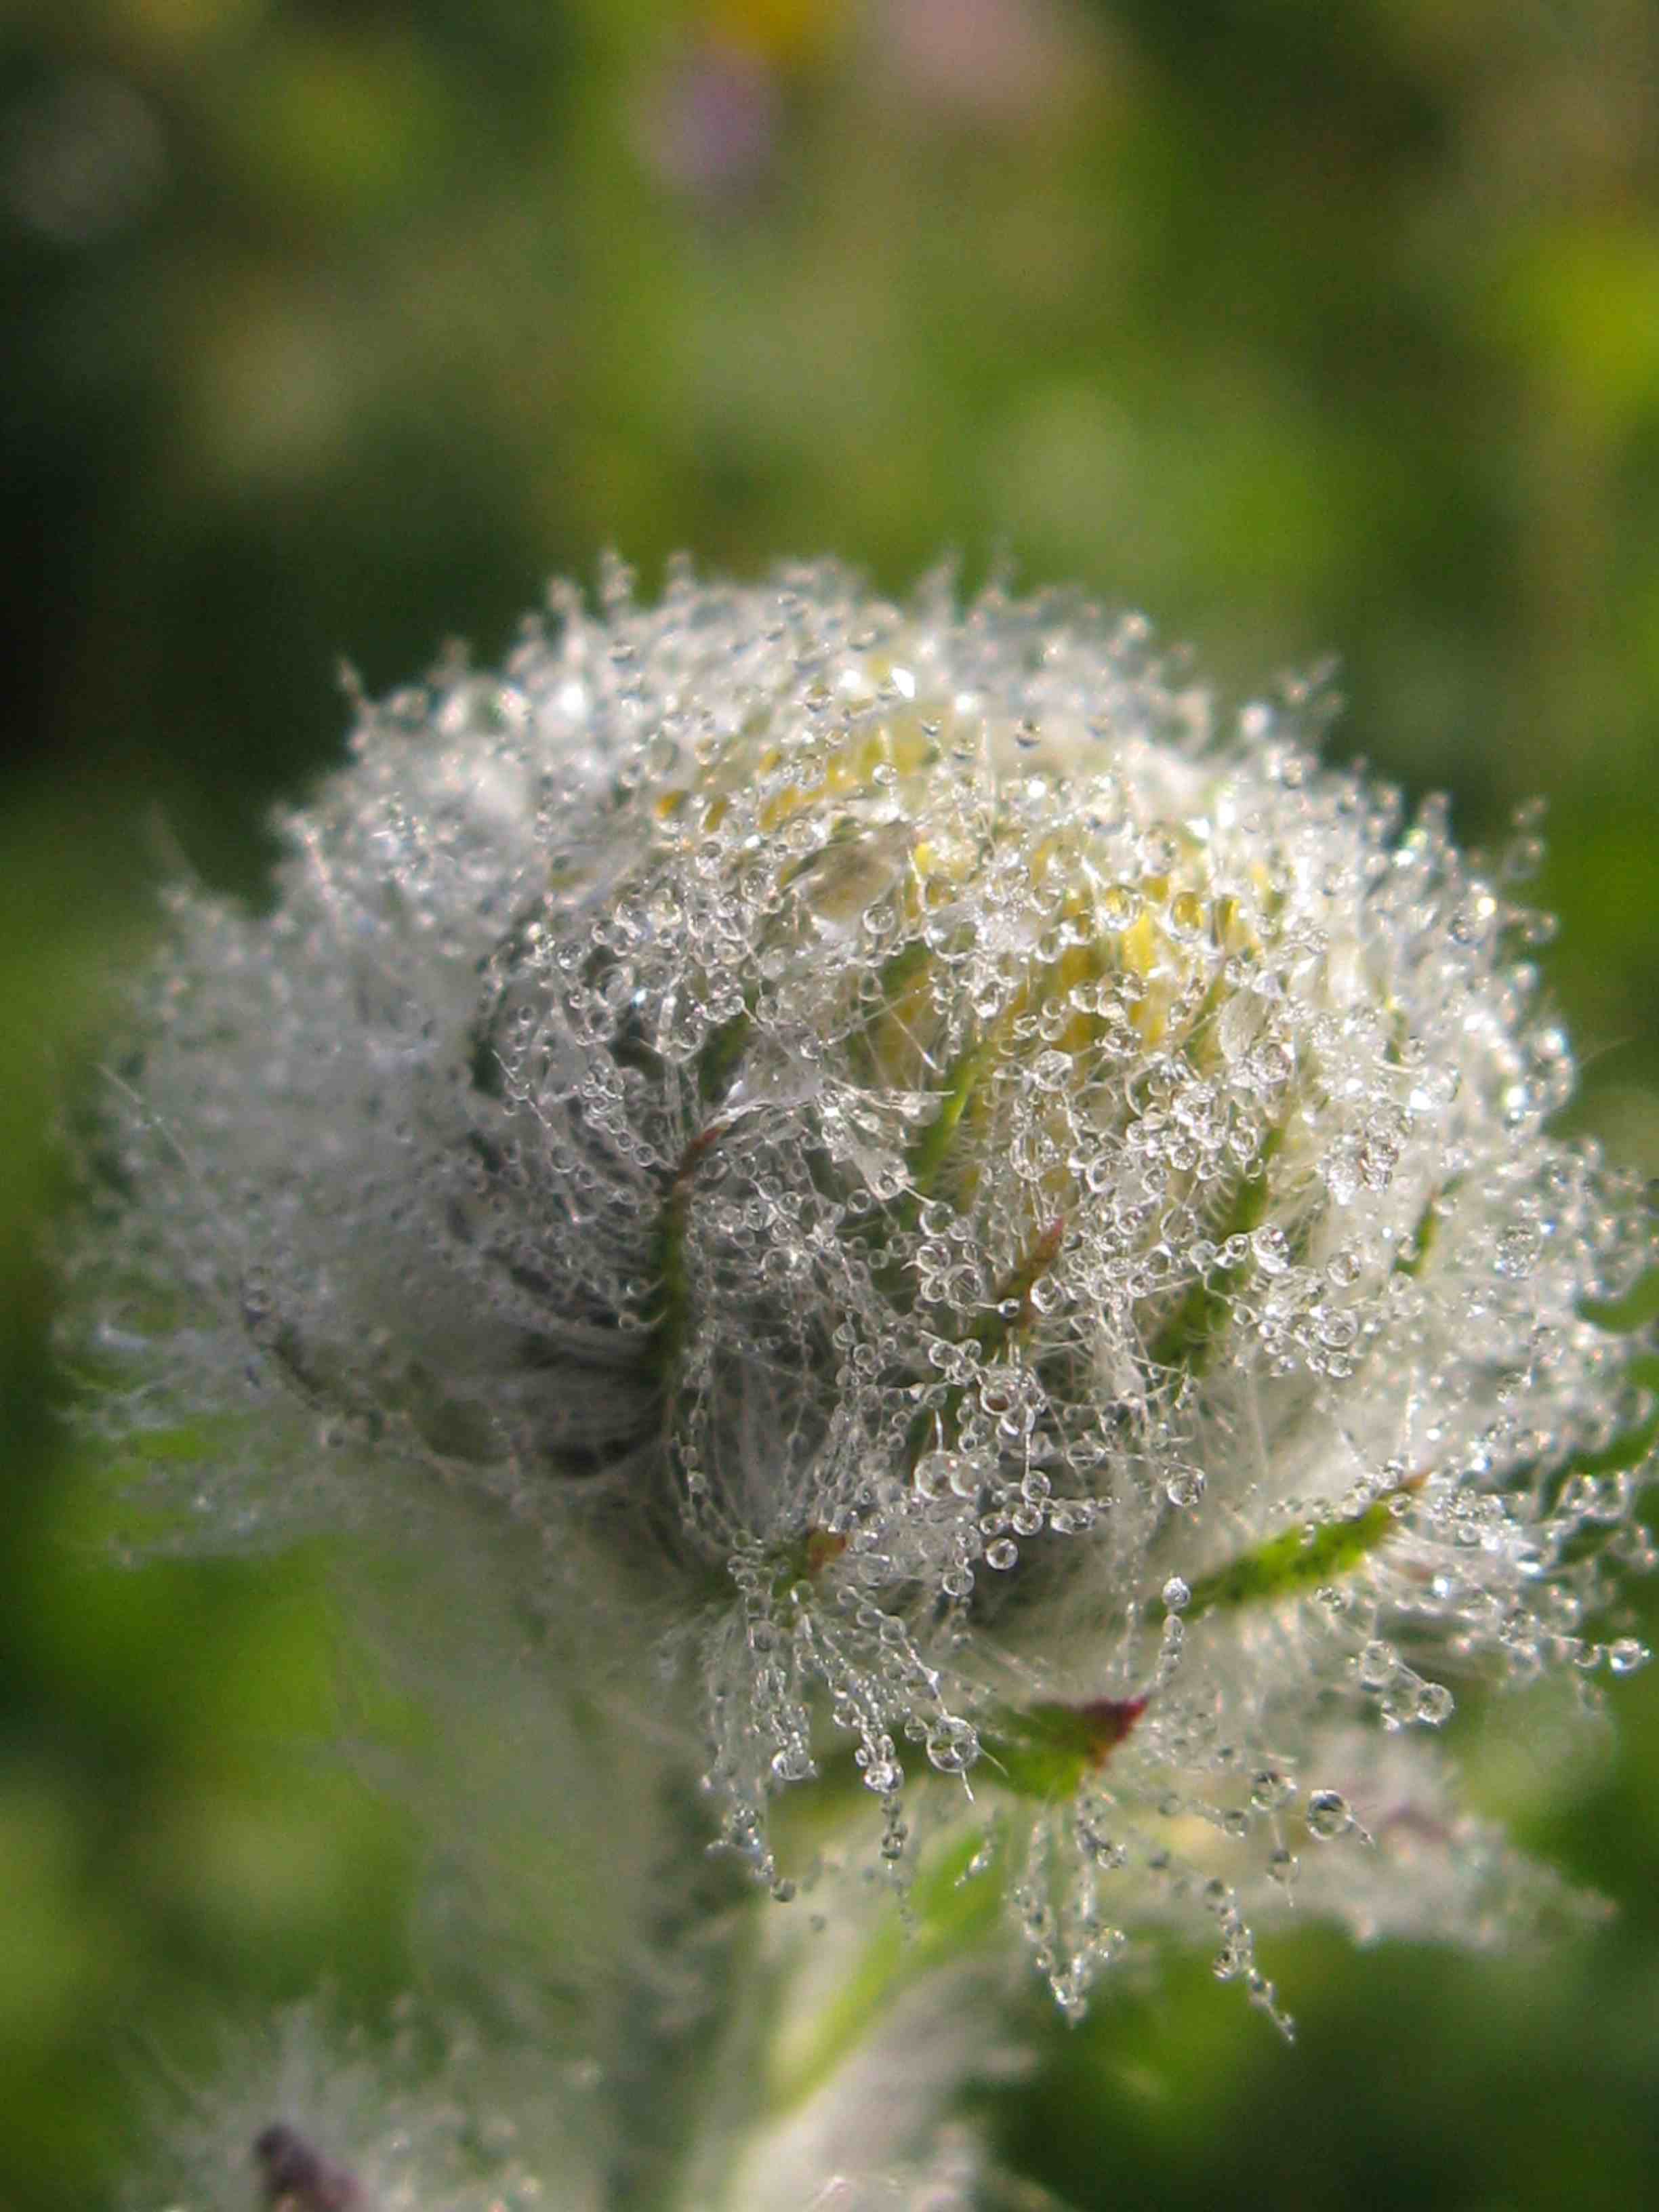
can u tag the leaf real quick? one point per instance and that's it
(717, 1063)
(1043, 1751)
(1638, 1308)
(1187, 1337)
(929, 1152)
(1412, 1260)
(1297, 1561)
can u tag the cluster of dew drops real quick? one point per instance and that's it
(937, 1090)
(929, 995)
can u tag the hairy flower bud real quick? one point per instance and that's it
(308, 2117)
(1029, 1211)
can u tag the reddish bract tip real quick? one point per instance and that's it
(1110, 1721)
(823, 1546)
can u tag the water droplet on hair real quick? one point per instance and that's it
(1184, 1485)
(952, 1745)
(1435, 1703)
(1328, 1815)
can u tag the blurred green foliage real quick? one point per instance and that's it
(334, 328)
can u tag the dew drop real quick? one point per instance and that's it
(1270, 1065)
(1336, 1329)
(1518, 1252)
(952, 1745)
(1378, 1662)
(1184, 1485)
(934, 1473)
(1188, 917)
(1329, 1815)
(1272, 1249)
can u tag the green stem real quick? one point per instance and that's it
(953, 1907)
(672, 2060)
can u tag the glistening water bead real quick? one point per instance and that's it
(1024, 1208)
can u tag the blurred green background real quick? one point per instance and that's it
(332, 330)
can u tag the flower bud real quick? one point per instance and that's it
(308, 2115)
(1025, 1209)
